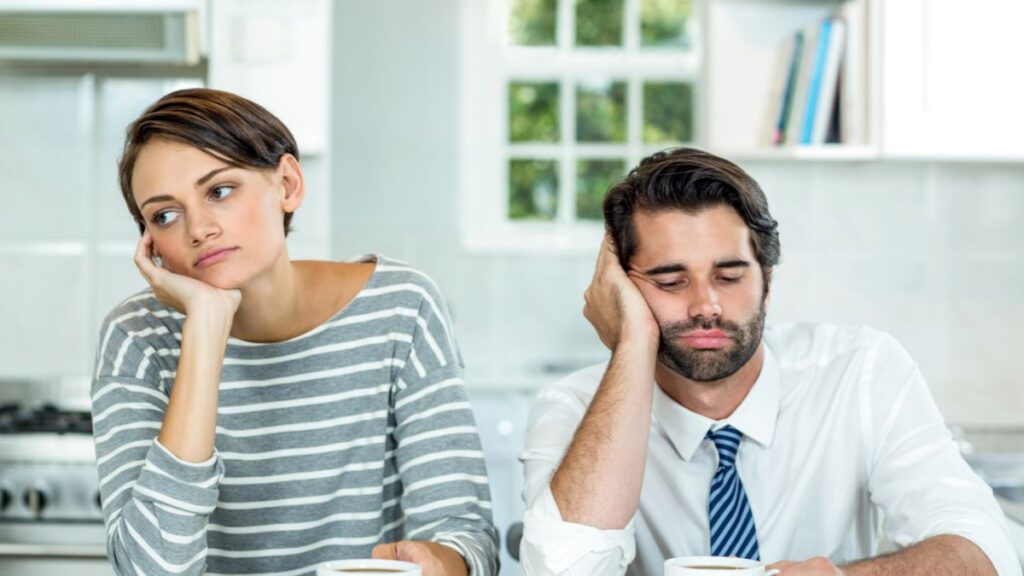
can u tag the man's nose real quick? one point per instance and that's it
(705, 303)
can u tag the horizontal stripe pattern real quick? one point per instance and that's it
(355, 433)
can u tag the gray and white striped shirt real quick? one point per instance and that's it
(357, 432)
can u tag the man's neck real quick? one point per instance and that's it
(717, 399)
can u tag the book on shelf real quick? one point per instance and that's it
(804, 70)
(828, 82)
(853, 86)
(795, 50)
(824, 90)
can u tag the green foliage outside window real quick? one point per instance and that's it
(533, 111)
(533, 189)
(663, 23)
(668, 112)
(598, 22)
(593, 178)
(601, 112)
(533, 22)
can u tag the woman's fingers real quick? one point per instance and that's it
(143, 254)
(385, 551)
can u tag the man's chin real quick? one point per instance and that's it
(705, 367)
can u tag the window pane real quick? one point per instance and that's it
(665, 22)
(533, 189)
(601, 112)
(598, 22)
(593, 178)
(533, 111)
(532, 22)
(668, 112)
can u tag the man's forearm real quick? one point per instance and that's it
(945, 555)
(598, 482)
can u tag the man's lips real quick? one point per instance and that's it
(706, 339)
(211, 257)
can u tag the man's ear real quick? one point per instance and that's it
(292, 183)
(766, 272)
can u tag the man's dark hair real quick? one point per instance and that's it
(690, 180)
(228, 126)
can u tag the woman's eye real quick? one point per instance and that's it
(164, 218)
(221, 192)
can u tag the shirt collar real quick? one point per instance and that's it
(755, 417)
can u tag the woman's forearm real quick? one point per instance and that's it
(189, 426)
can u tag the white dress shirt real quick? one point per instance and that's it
(842, 443)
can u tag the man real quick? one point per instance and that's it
(807, 446)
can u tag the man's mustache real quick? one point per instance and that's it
(676, 328)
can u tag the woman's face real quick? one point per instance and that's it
(211, 221)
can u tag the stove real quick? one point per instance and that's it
(49, 490)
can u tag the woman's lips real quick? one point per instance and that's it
(213, 256)
(706, 340)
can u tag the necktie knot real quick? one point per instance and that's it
(727, 442)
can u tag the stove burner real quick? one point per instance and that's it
(15, 419)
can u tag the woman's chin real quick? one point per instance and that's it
(222, 279)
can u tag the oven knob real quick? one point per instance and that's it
(35, 500)
(5, 498)
(98, 500)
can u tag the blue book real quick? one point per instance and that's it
(789, 89)
(814, 91)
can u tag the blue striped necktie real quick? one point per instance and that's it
(732, 524)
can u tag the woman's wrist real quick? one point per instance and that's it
(211, 314)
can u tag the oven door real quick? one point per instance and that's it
(47, 548)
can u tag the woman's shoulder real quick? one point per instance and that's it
(402, 283)
(140, 311)
(397, 272)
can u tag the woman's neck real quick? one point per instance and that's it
(272, 305)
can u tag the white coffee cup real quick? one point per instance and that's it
(715, 566)
(368, 568)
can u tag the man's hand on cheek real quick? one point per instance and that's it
(435, 559)
(613, 304)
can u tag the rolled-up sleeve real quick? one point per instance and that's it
(551, 545)
(917, 476)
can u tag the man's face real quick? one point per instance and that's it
(702, 281)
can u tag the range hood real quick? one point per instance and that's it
(100, 31)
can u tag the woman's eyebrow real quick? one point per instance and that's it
(211, 174)
(161, 198)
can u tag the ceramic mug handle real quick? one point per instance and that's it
(773, 572)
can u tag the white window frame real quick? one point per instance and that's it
(486, 66)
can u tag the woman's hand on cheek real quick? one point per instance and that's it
(181, 292)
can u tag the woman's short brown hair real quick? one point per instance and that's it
(690, 180)
(228, 126)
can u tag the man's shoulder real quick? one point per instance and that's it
(805, 343)
(575, 390)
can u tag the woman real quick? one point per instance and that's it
(258, 415)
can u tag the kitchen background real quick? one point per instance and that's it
(398, 105)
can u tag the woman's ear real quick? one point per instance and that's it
(292, 183)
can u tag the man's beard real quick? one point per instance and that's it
(711, 364)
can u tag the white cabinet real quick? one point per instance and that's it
(951, 82)
(277, 54)
(940, 79)
(748, 46)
